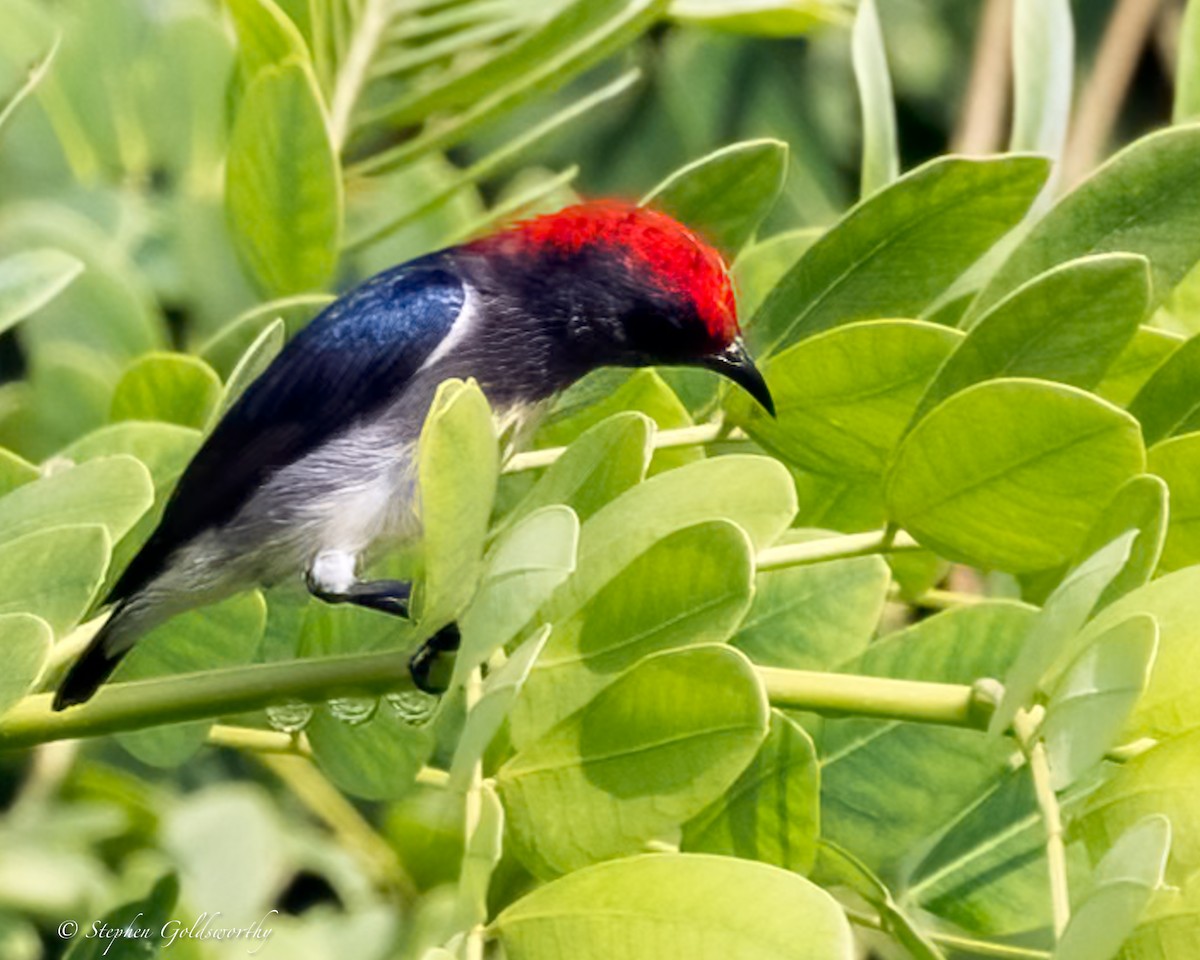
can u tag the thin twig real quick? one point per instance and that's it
(663, 440)
(1025, 724)
(982, 115)
(327, 803)
(209, 694)
(352, 77)
(1129, 28)
(983, 948)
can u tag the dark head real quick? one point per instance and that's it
(618, 285)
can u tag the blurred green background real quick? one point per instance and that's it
(119, 162)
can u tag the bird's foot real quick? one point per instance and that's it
(430, 671)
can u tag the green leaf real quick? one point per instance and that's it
(224, 635)
(37, 73)
(500, 692)
(1147, 351)
(893, 253)
(31, 279)
(1177, 461)
(595, 399)
(890, 788)
(1053, 635)
(771, 813)
(1167, 403)
(228, 345)
(647, 754)
(1169, 706)
(838, 867)
(266, 36)
(605, 461)
(761, 265)
(676, 907)
(163, 448)
(1161, 781)
(145, 917)
(1125, 878)
(725, 195)
(764, 18)
(108, 308)
(1170, 926)
(25, 643)
(1043, 71)
(54, 574)
(15, 472)
(480, 857)
(844, 396)
(112, 492)
(756, 493)
(1069, 325)
(1012, 473)
(881, 152)
(1140, 504)
(366, 746)
(1091, 703)
(1144, 201)
(581, 33)
(814, 617)
(986, 872)
(171, 387)
(1187, 71)
(283, 187)
(605, 621)
(458, 463)
(251, 366)
(520, 573)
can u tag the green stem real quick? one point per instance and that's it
(216, 693)
(203, 695)
(834, 548)
(1025, 724)
(663, 440)
(983, 948)
(915, 701)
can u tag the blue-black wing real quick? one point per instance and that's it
(353, 358)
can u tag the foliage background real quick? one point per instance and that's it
(184, 183)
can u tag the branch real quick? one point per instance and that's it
(1125, 37)
(834, 548)
(663, 440)
(1025, 725)
(211, 694)
(981, 117)
(915, 701)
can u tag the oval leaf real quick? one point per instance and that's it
(896, 251)
(171, 387)
(648, 753)
(725, 195)
(1012, 473)
(676, 906)
(283, 186)
(844, 397)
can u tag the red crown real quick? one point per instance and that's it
(671, 256)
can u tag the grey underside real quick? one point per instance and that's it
(354, 493)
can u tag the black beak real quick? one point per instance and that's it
(735, 363)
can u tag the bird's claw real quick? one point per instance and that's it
(423, 663)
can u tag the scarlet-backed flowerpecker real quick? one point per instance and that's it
(313, 464)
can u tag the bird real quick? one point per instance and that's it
(314, 464)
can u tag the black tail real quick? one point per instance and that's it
(96, 664)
